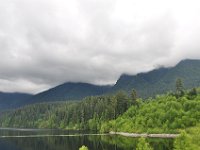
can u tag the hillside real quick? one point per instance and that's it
(147, 84)
(65, 92)
(12, 100)
(161, 80)
(69, 91)
(157, 81)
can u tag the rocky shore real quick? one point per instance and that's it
(145, 135)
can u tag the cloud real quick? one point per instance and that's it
(47, 42)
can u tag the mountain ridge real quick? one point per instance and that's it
(164, 78)
(157, 81)
(12, 100)
(69, 91)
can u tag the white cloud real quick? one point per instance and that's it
(47, 42)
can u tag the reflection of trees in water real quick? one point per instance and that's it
(49, 143)
(161, 144)
(99, 143)
(129, 143)
(92, 142)
(59, 143)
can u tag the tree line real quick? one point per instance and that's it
(89, 113)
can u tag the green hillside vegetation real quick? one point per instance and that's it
(194, 136)
(164, 114)
(170, 113)
(86, 114)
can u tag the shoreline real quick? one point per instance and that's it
(145, 135)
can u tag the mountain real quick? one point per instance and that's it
(147, 84)
(161, 80)
(70, 91)
(12, 100)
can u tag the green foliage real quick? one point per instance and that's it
(192, 93)
(134, 97)
(179, 88)
(194, 133)
(164, 114)
(83, 148)
(183, 142)
(122, 102)
(143, 145)
(87, 114)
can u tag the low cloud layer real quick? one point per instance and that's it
(47, 42)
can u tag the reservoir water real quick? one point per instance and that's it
(36, 139)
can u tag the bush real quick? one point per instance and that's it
(182, 142)
(83, 148)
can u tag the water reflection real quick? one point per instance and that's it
(94, 142)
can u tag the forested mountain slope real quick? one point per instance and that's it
(12, 100)
(64, 92)
(147, 84)
(70, 91)
(161, 80)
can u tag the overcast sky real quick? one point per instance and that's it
(47, 42)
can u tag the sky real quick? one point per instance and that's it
(44, 43)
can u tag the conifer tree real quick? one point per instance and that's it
(133, 97)
(179, 88)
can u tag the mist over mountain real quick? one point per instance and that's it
(161, 80)
(146, 84)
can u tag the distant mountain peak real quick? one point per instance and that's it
(161, 80)
(184, 61)
(147, 84)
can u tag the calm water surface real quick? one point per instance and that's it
(31, 139)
